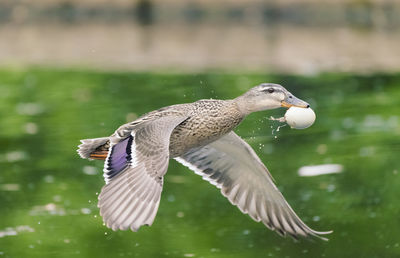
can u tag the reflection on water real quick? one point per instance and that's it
(14, 231)
(9, 187)
(317, 170)
(48, 194)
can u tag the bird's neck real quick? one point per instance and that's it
(247, 105)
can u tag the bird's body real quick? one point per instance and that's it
(199, 135)
(207, 121)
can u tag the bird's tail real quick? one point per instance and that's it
(96, 148)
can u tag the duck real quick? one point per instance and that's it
(200, 136)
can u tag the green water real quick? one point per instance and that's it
(48, 194)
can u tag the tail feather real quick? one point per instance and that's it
(89, 146)
(101, 155)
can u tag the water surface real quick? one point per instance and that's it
(48, 194)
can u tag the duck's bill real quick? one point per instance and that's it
(294, 102)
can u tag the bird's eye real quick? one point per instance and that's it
(270, 90)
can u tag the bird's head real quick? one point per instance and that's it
(268, 96)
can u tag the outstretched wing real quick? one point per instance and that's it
(134, 171)
(233, 166)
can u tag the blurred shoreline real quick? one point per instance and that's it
(283, 36)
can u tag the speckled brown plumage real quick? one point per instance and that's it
(206, 121)
(199, 135)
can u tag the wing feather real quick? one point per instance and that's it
(233, 166)
(134, 170)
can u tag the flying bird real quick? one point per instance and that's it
(200, 136)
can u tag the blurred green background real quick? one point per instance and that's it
(48, 194)
(71, 70)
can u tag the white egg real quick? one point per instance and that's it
(299, 118)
